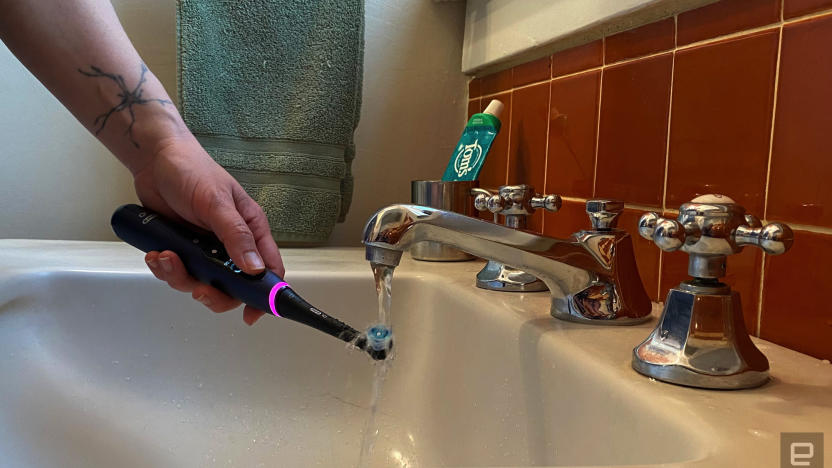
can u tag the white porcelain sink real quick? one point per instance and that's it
(102, 365)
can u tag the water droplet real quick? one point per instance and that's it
(127, 379)
(199, 385)
(146, 355)
(115, 363)
(230, 393)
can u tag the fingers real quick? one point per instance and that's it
(214, 299)
(258, 223)
(251, 315)
(234, 233)
(167, 267)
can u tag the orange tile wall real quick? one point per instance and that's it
(733, 98)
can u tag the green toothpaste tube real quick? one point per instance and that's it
(469, 154)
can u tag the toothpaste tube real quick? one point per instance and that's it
(469, 154)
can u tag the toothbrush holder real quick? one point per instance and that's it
(449, 196)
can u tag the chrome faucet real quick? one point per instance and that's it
(700, 339)
(592, 276)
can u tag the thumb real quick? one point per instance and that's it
(227, 223)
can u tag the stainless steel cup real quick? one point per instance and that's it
(449, 196)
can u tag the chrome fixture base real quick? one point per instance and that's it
(701, 341)
(436, 252)
(499, 277)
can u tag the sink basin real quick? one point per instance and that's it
(103, 363)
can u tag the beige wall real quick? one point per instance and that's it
(58, 182)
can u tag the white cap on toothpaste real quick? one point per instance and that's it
(494, 108)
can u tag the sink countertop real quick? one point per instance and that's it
(742, 426)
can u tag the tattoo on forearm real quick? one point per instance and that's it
(128, 99)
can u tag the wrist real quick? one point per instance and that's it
(138, 121)
(165, 146)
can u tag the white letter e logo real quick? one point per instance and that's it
(798, 456)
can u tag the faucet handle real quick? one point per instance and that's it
(668, 234)
(514, 200)
(710, 228)
(550, 202)
(773, 238)
(489, 202)
(603, 213)
(484, 200)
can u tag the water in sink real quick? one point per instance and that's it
(384, 281)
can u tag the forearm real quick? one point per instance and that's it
(80, 52)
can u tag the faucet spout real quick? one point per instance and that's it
(592, 276)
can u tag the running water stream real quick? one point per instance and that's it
(384, 277)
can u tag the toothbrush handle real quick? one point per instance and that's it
(206, 259)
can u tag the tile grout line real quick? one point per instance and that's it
(773, 114)
(807, 16)
(807, 228)
(546, 151)
(669, 118)
(760, 296)
(667, 143)
(637, 207)
(768, 166)
(539, 82)
(579, 72)
(641, 57)
(598, 115)
(629, 206)
(508, 137)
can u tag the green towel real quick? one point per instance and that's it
(272, 90)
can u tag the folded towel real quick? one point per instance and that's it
(272, 90)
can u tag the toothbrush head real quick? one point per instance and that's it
(377, 342)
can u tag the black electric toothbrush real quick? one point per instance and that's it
(206, 259)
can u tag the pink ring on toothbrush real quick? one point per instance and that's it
(273, 295)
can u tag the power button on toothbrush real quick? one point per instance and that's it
(234, 268)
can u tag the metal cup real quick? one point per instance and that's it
(449, 196)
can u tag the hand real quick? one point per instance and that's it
(181, 181)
